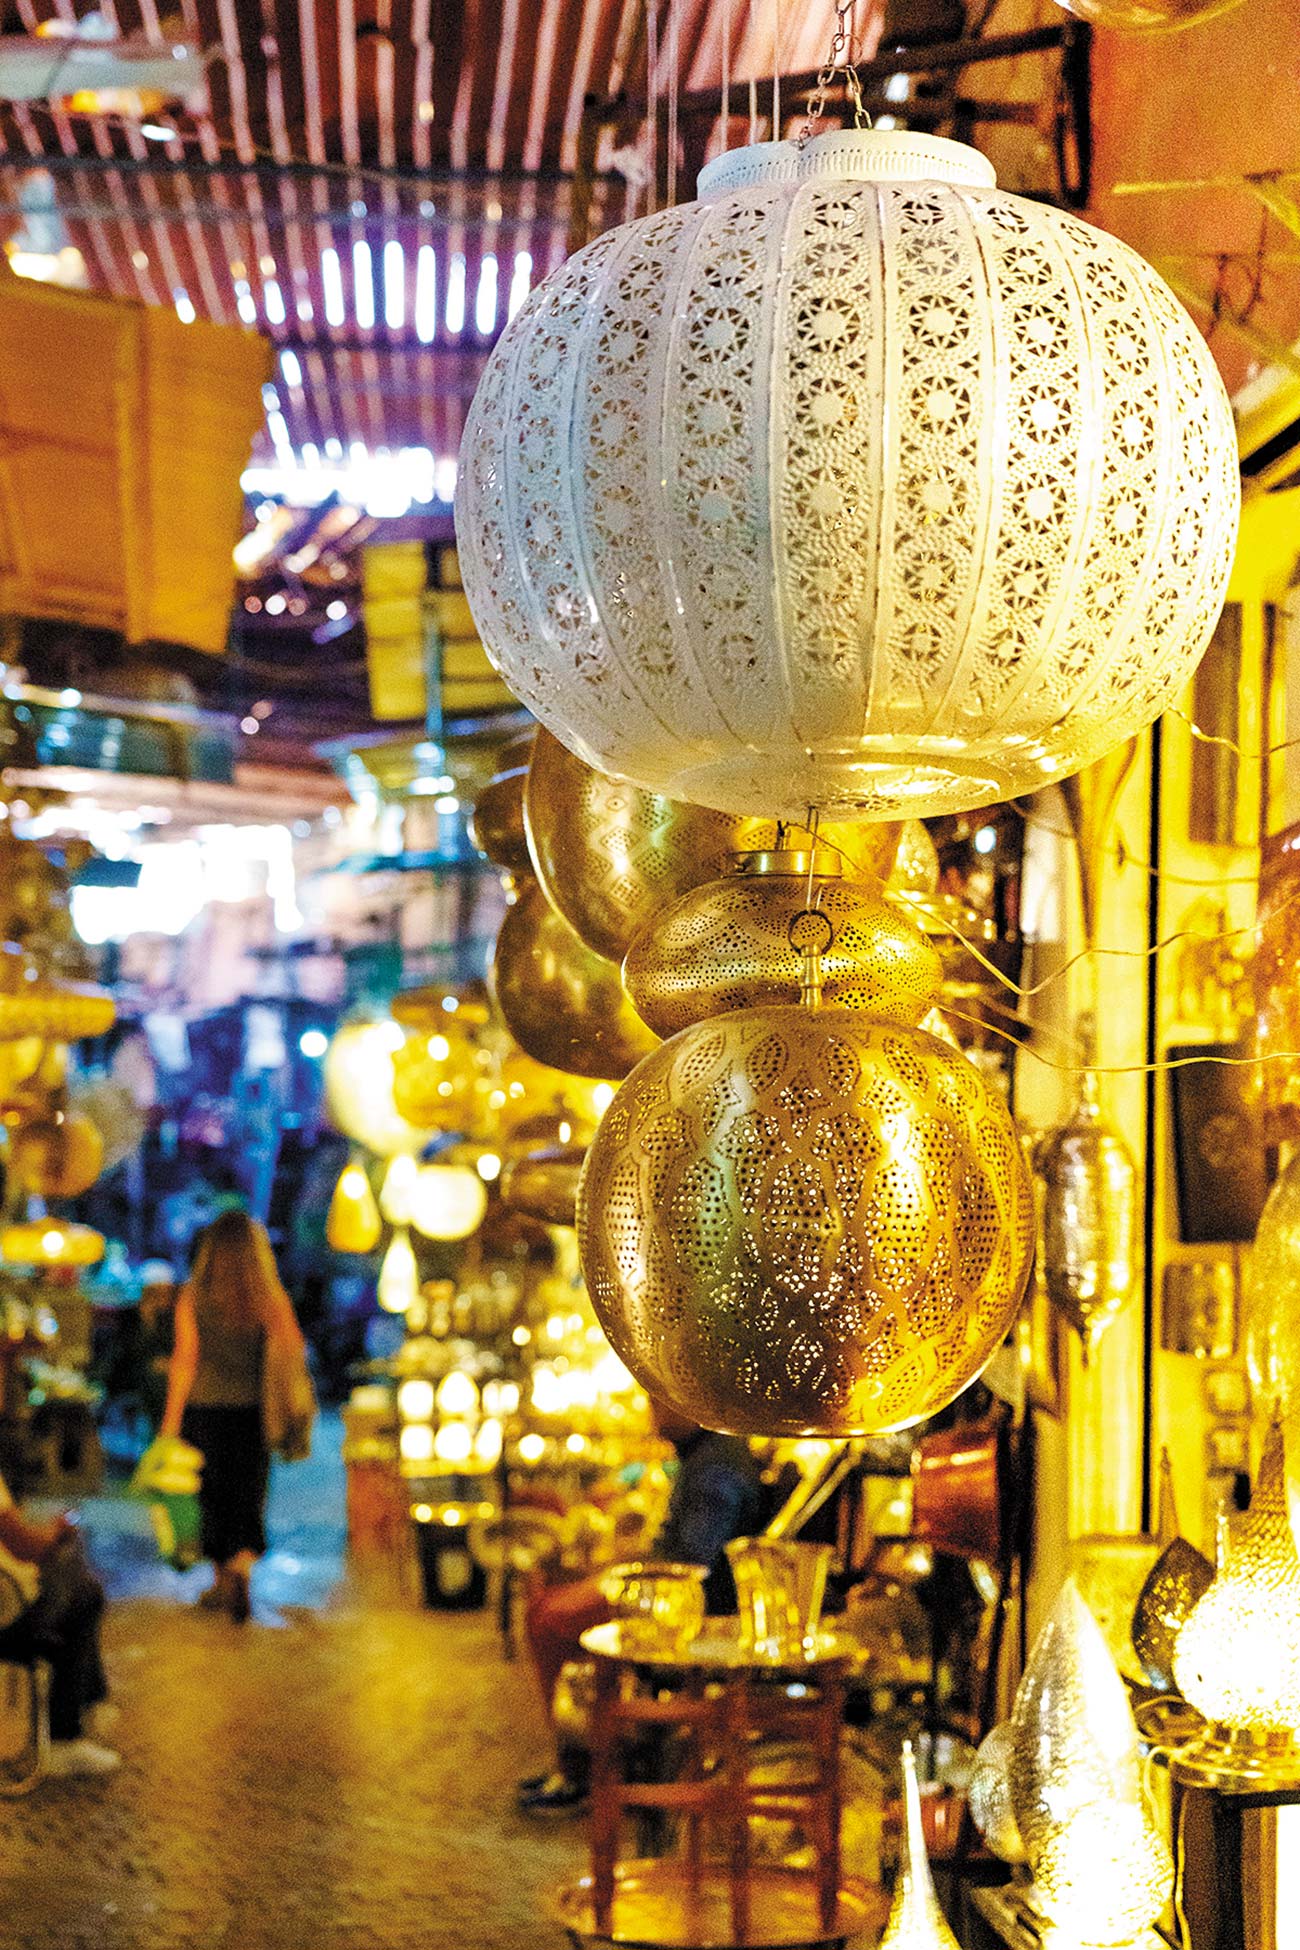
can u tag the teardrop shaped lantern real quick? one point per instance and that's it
(801, 1221)
(563, 1004)
(1073, 1741)
(1180, 1576)
(916, 1921)
(1089, 1218)
(856, 483)
(989, 1795)
(353, 1224)
(727, 945)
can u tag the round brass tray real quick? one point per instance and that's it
(657, 1908)
(720, 1649)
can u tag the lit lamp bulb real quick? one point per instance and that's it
(399, 1277)
(1237, 1657)
(453, 1443)
(916, 1922)
(352, 1224)
(487, 1443)
(395, 1192)
(457, 1395)
(416, 1443)
(415, 1400)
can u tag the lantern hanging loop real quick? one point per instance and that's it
(838, 61)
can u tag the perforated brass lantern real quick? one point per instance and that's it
(1237, 1657)
(610, 856)
(1179, 1577)
(496, 826)
(1089, 1218)
(1073, 1741)
(543, 1184)
(989, 1795)
(57, 1157)
(856, 482)
(562, 1003)
(727, 945)
(33, 1003)
(798, 1221)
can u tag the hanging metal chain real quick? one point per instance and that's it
(839, 61)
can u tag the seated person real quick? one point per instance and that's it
(718, 1494)
(62, 1604)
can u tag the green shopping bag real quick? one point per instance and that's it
(167, 1478)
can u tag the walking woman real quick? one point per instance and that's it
(233, 1317)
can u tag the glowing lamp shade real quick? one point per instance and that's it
(856, 483)
(457, 1395)
(395, 1192)
(453, 1443)
(415, 1400)
(1101, 1872)
(352, 1224)
(51, 1242)
(399, 1277)
(487, 1442)
(1237, 1657)
(358, 1075)
(447, 1201)
(416, 1443)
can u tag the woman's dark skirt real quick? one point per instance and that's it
(236, 1467)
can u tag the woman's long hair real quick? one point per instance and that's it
(234, 1276)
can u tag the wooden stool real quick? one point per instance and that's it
(721, 1702)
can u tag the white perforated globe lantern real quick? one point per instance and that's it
(857, 482)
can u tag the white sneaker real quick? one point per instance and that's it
(80, 1757)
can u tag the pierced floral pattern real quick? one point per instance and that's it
(857, 483)
(792, 1222)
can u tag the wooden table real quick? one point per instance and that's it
(719, 1701)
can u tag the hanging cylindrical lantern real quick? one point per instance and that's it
(727, 945)
(352, 1224)
(856, 483)
(1089, 1218)
(563, 1004)
(799, 1221)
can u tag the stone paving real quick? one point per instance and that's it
(335, 1776)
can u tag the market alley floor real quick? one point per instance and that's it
(335, 1776)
